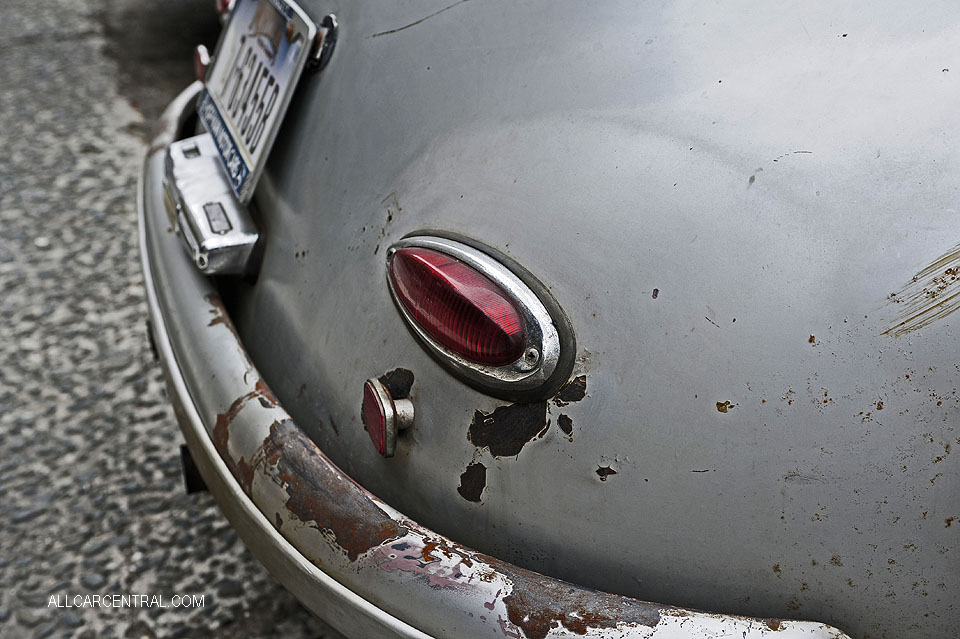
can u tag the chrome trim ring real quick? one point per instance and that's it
(541, 348)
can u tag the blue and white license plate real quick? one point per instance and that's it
(258, 61)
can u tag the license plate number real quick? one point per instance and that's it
(258, 61)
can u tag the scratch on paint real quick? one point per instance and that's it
(932, 294)
(413, 24)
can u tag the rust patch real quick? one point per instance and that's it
(320, 495)
(836, 560)
(472, 482)
(566, 425)
(572, 391)
(399, 381)
(244, 474)
(220, 315)
(773, 624)
(222, 318)
(812, 340)
(241, 469)
(605, 471)
(506, 430)
(724, 407)
(536, 605)
(931, 294)
(949, 521)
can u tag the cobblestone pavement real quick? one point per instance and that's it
(90, 489)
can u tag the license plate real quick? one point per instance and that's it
(258, 61)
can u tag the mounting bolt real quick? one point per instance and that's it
(326, 40)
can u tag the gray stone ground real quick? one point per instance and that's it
(90, 488)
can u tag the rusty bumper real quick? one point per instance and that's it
(350, 558)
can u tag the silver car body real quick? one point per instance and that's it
(747, 214)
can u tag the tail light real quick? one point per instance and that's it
(478, 317)
(457, 306)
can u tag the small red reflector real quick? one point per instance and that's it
(457, 306)
(374, 417)
(383, 416)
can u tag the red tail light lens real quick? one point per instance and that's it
(457, 306)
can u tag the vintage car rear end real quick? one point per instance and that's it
(739, 221)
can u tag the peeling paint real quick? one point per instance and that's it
(319, 496)
(507, 429)
(241, 468)
(440, 572)
(472, 482)
(537, 605)
(605, 471)
(573, 391)
(399, 381)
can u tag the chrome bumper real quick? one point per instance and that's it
(351, 559)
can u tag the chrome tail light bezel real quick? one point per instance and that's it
(547, 355)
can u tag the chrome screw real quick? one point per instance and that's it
(530, 357)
